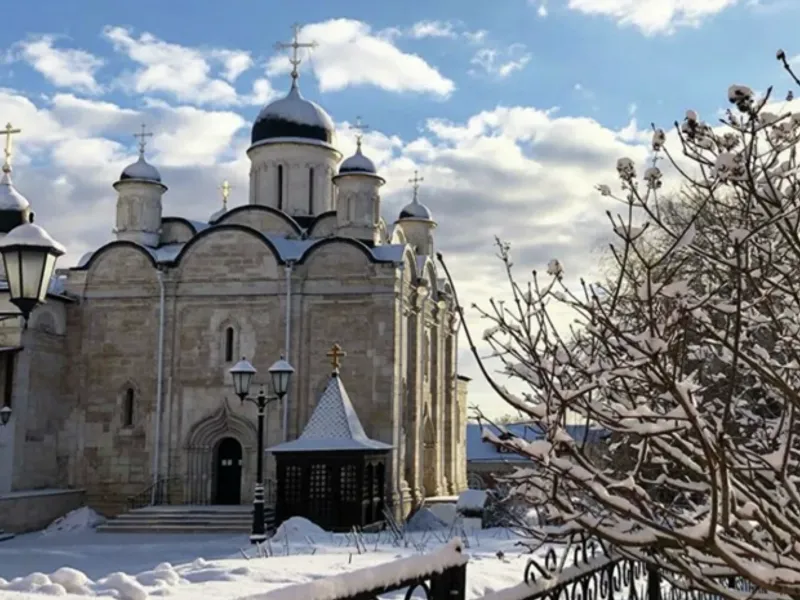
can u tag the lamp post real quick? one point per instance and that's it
(29, 257)
(242, 374)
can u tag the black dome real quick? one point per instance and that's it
(293, 117)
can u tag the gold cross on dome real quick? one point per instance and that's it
(226, 188)
(8, 131)
(359, 127)
(336, 353)
(143, 138)
(414, 181)
(295, 45)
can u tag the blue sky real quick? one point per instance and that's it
(512, 110)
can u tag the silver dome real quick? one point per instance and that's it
(416, 210)
(358, 163)
(141, 170)
(293, 116)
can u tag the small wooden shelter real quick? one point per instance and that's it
(333, 474)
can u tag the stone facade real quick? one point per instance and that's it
(139, 327)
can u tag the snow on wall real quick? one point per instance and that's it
(363, 580)
(471, 500)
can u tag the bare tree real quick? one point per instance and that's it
(689, 357)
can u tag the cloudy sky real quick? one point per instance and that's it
(512, 110)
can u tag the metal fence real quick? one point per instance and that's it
(588, 571)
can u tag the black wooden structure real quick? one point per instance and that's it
(333, 474)
(335, 489)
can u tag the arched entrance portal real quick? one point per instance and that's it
(228, 464)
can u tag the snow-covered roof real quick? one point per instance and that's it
(141, 170)
(480, 450)
(334, 425)
(10, 198)
(288, 249)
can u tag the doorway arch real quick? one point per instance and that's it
(228, 471)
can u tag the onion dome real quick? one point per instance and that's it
(358, 163)
(416, 210)
(14, 207)
(141, 170)
(293, 117)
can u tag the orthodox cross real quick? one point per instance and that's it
(335, 355)
(143, 138)
(295, 45)
(359, 127)
(8, 131)
(226, 192)
(414, 181)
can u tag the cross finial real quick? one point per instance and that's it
(295, 45)
(415, 181)
(226, 192)
(359, 127)
(8, 131)
(143, 138)
(336, 353)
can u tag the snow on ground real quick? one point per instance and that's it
(79, 519)
(76, 564)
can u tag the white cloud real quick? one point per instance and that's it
(500, 63)
(187, 74)
(653, 16)
(427, 29)
(350, 54)
(63, 67)
(542, 10)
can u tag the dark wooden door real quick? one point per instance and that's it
(229, 472)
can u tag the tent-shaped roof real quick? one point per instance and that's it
(334, 425)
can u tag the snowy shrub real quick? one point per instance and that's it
(687, 355)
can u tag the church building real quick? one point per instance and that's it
(121, 382)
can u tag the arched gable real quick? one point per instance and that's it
(333, 256)
(46, 319)
(221, 423)
(323, 226)
(262, 218)
(428, 273)
(176, 230)
(383, 232)
(120, 263)
(398, 235)
(410, 264)
(228, 253)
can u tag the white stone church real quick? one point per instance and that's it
(121, 379)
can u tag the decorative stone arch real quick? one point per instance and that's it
(201, 443)
(323, 226)
(430, 276)
(475, 481)
(383, 232)
(398, 235)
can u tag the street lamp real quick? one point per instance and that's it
(29, 256)
(242, 374)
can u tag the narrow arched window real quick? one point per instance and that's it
(229, 344)
(127, 408)
(280, 187)
(311, 191)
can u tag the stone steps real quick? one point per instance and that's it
(186, 519)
